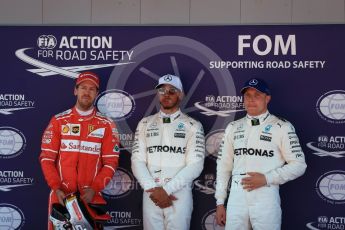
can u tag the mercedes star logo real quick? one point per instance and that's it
(168, 78)
(253, 82)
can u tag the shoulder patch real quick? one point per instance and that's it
(237, 122)
(190, 119)
(101, 114)
(282, 119)
(150, 118)
(63, 113)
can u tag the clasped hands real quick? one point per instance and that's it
(88, 194)
(253, 181)
(160, 197)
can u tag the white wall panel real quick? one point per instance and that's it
(318, 11)
(66, 11)
(215, 11)
(116, 12)
(266, 11)
(171, 11)
(165, 11)
(20, 12)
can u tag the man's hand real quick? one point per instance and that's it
(160, 197)
(88, 194)
(60, 195)
(254, 181)
(221, 215)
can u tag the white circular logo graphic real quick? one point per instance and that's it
(331, 106)
(120, 185)
(116, 104)
(331, 187)
(12, 142)
(213, 141)
(184, 57)
(209, 221)
(11, 217)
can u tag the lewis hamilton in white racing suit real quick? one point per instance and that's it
(259, 152)
(168, 154)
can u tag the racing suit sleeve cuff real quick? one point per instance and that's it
(95, 188)
(168, 190)
(55, 186)
(269, 179)
(149, 185)
(220, 202)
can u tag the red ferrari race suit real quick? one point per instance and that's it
(79, 152)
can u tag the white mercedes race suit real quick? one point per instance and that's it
(265, 144)
(168, 152)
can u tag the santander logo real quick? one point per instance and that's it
(63, 146)
(81, 146)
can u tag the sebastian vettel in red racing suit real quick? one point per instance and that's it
(80, 148)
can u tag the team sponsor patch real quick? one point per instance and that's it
(265, 138)
(46, 140)
(236, 137)
(153, 125)
(47, 137)
(70, 129)
(75, 130)
(152, 134)
(254, 152)
(166, 120)
(64, 129)
(83, 146)
(151, 130)
(180, 127)
(239, 131)
(114, 130)
(294, 142)
(239, 127)
(48, 134)
(179, 135)
(116, 149)
(90, 128)
(296, 151)
(255, 122)
(166, 148)
(267, 128)
(97, 133)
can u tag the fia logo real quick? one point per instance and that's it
(210, 98)
(46, 42)
(323, 139)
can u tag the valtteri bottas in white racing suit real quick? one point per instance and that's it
(265, 145)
